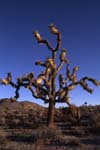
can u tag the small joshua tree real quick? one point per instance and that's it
(44, 85)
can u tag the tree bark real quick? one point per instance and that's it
(51, 112)
(51, 109)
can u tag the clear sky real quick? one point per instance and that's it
(79, 23)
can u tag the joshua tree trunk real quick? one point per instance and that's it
(51, 111)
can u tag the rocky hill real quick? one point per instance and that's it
(23, 126)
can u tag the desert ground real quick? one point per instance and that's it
(23, 127)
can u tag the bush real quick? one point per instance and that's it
(74, 142)
(3, 138)
(95, 119)
(95, 123)
(47, 134)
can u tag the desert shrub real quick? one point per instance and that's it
(95, 123)
(3, 138)
(95, 130)
(74, 142)
(95, 119)
(58, 140)
(47, 133)
(81, 133)
(2, 121)
(62, 140)
(50, 136)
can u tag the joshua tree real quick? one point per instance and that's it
(44, 85)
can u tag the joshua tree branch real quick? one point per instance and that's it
(40, 63)
(83, 83)
(46, 42)
(17, 92)
(41, 40)
(13, 84)
(60, 66)
(38, 97)
(94, 81)
(58, 42)
(65, 90)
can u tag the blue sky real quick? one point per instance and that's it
(79, 23)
